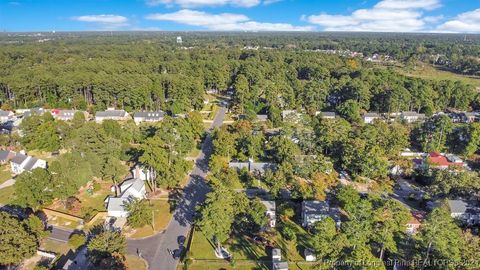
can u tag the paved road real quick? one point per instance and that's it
(155, 249)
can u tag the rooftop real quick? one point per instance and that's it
(457, 206)
(315, 207)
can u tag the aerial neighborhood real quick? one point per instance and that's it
(298, 150)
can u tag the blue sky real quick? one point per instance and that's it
(461, 16)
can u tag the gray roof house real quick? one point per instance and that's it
(277, 263)
(368, 118)
(262, 117)
(411, 117)
(458, 208)
(5, 156)
(33, 111)
(253, 167)
(111, 114)
(155, 116)
(314, 211)
(129, 189)
(270, 212)
(21, 162)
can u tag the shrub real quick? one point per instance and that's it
(76, 240)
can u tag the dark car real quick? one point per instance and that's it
(181, 240)
(177, 253)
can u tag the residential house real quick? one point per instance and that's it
(270, 213)
(6, 156)
(416, 220)
(326, 115)
(251, 166)
(468, 117)
(262, 117)
(111, 114)
(438, 161)
(314, 211)
(140, 172)
(309, 255)
(154, 116)
(22, 162)
(66, 115)
(458, 208)
(368, 118)
(277, 263)
(412, 117)
(5, 116)
(290, 113)
(129, 190)
(33, 111)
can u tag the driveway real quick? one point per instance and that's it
(8, 183)
(156, 249)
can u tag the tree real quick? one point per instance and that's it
(34, 189)
(282, 149)
(217, 214)
(350, 110)
(325, 232)
(18, 243)
(139, 213)
(76, 240)
(441, 238)
(107, 246)
(114, 170)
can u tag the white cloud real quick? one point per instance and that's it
(198, 3)
(223, 21)
(105, 21)
(468, 22)
(385, 16)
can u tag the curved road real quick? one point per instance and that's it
(155, 249)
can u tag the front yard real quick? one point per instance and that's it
(5, 173)
(161, 214)
(6, 195)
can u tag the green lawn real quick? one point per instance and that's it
(162, 216)
(6, 195)
(5, 173)
(54, 246)
(135, 262)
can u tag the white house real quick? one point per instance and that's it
(111, 114)
(277, 263)
(270, 213)
(130, 190)
(67, 115)
(251, 166)
(140, 117)
(21, 162)
(5, 116)
(32, 111)
(411, 117)
(309, 255)
(326, 115)
(140, 172)
(314, 211)
(368, 118)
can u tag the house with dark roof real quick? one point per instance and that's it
(277, 263)
(154, 116)
(21, 162)
(111, 114)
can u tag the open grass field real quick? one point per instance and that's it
(427, 71)
(162, 216)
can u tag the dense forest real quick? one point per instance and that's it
(139, 71)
